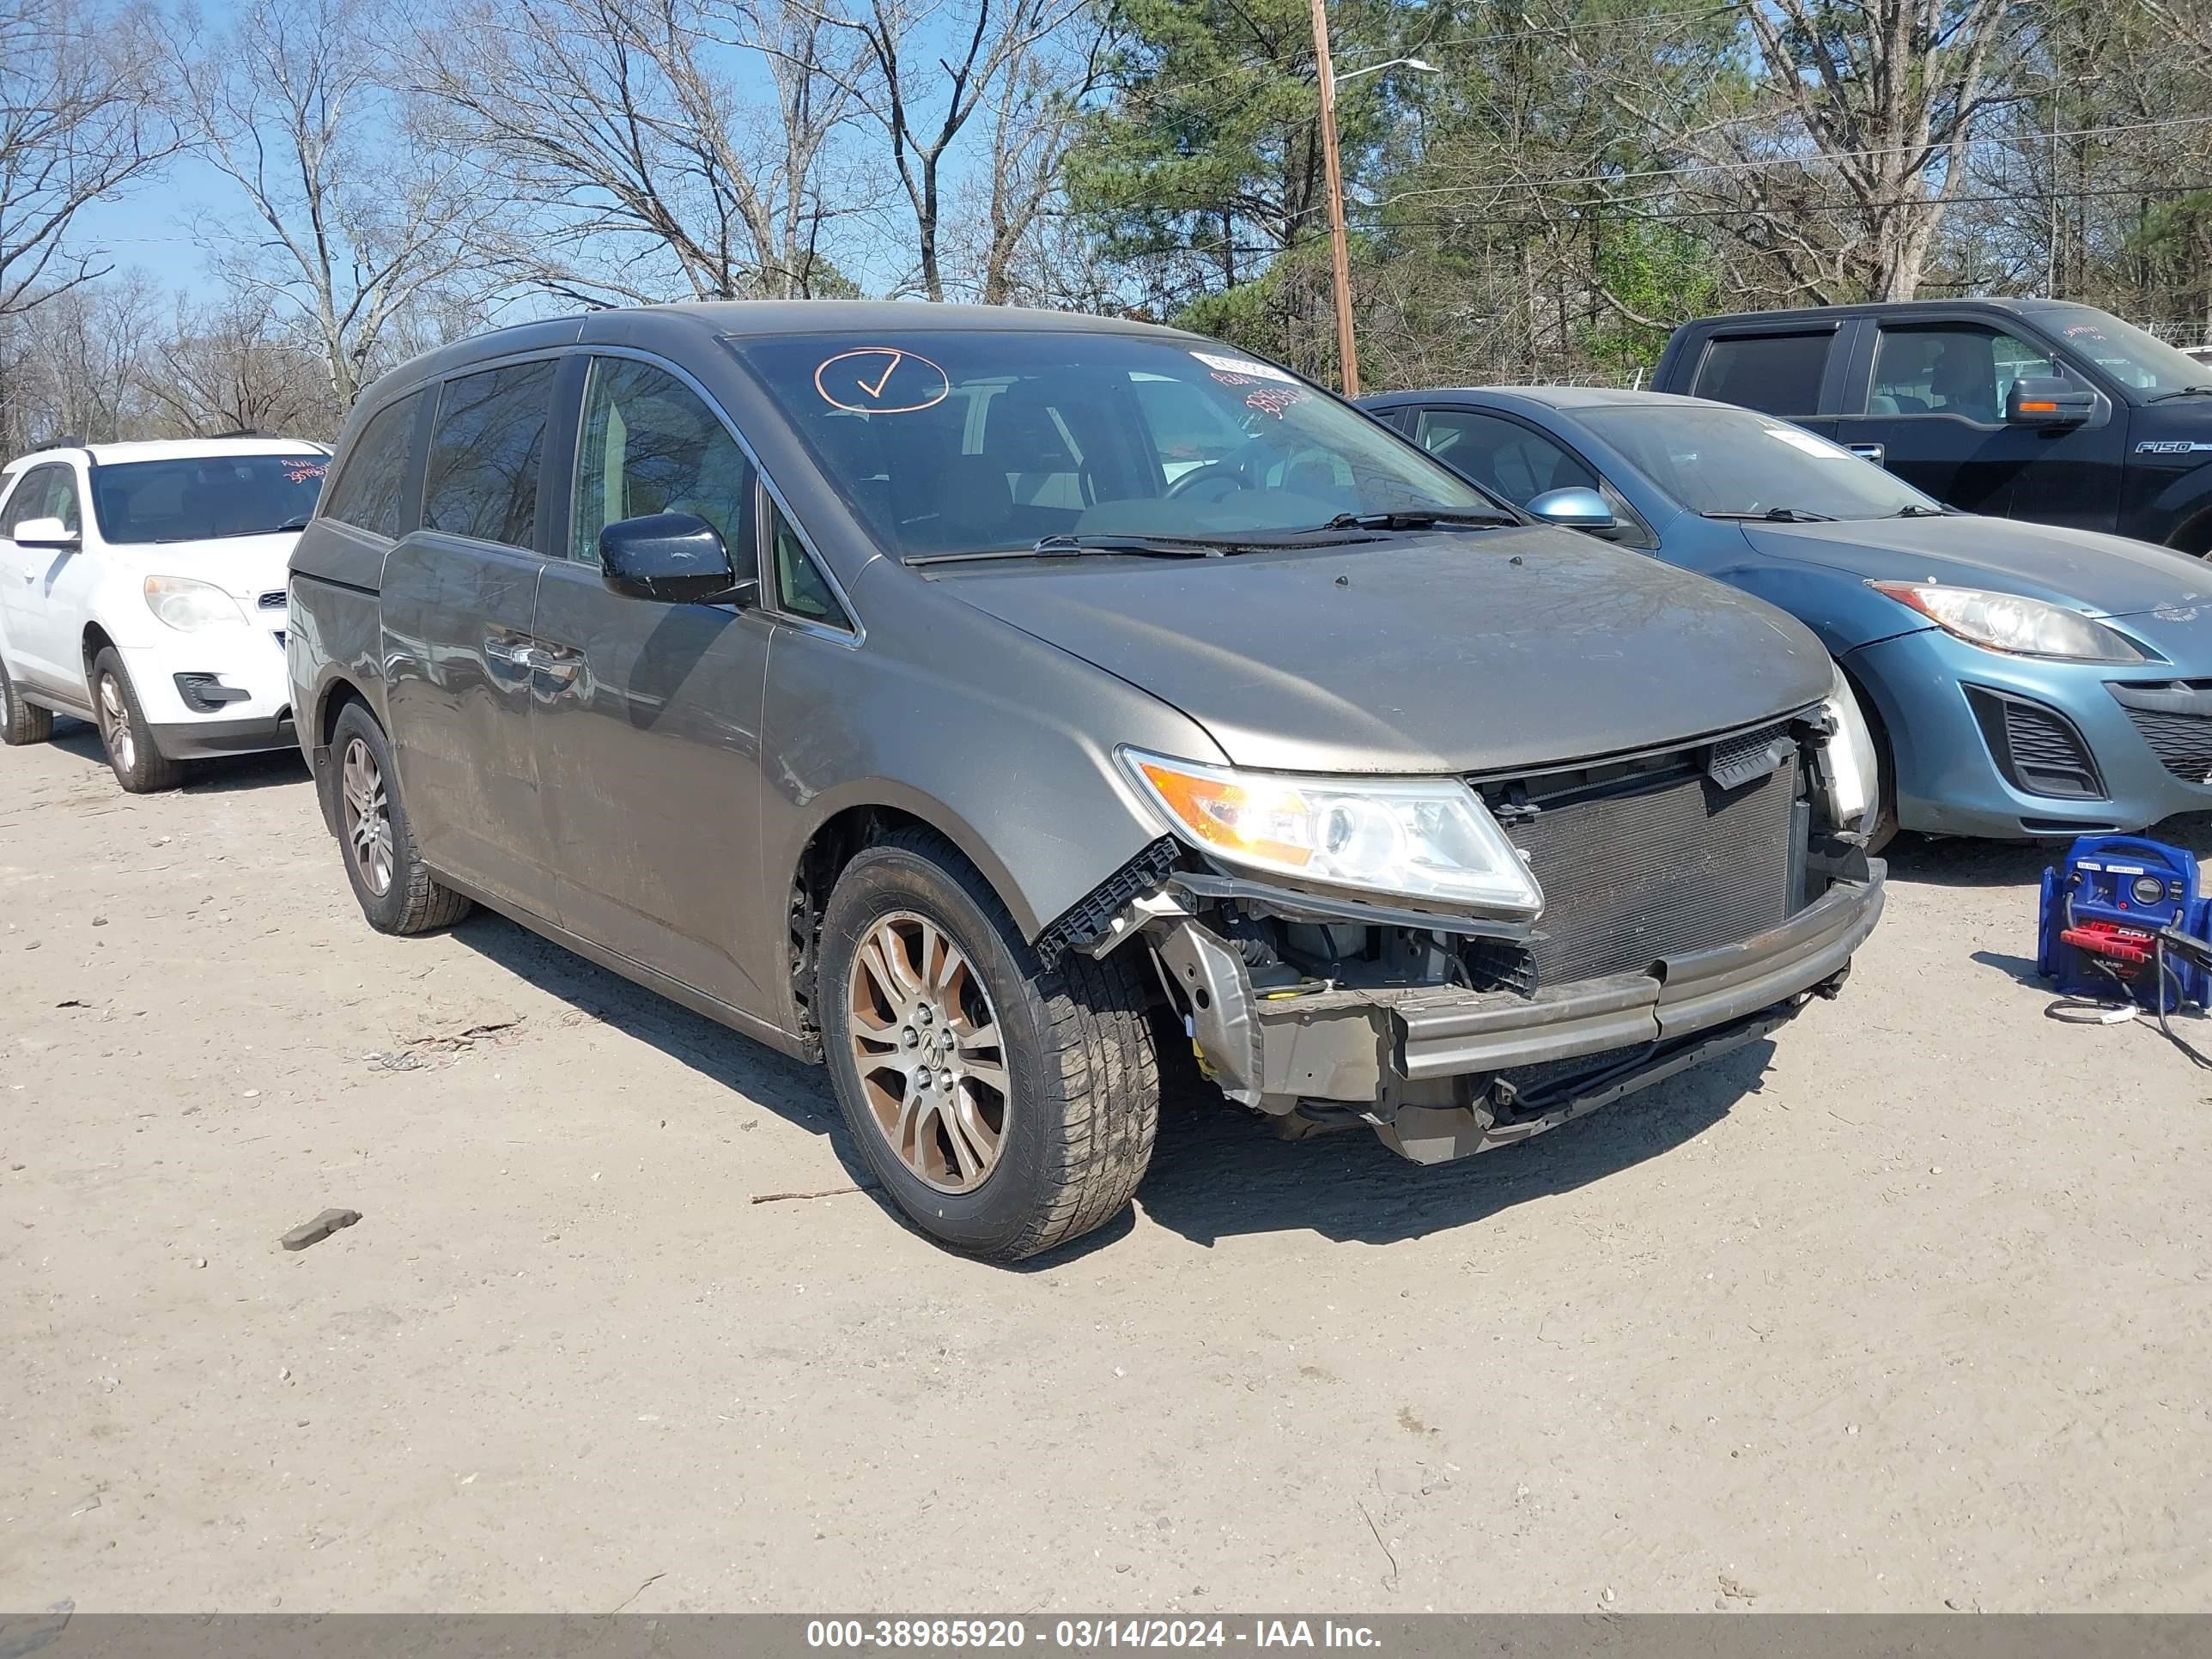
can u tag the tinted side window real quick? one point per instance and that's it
(1955, 370)
(1504, 458)
(1774, 373)
(369, 491)
(485, 452)
(650, 444)
(800, 586)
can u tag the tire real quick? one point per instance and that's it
(396, 891)
(140, 768)
(1079, 1104)
(21, 722)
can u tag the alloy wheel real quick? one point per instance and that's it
(924, 1041)
(115, 724)
(368, 816)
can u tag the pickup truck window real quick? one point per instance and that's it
(1775, 374)
(1951, 368)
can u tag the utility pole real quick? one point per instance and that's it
(1340, 253)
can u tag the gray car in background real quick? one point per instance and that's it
(970, 698)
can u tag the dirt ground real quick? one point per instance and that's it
(1910, 1308)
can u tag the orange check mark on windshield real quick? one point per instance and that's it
(883, 379)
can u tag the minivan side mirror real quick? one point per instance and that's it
(674, 558)
(1573, 509)
(45, 533)
(2048, 400)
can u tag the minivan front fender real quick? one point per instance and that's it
(1003, 742)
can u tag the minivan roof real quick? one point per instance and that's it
(744, 319)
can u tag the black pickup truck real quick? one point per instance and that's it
(2029, 409)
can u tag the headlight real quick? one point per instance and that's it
(1423, 838)
(1851, 771)
(191, 605)
(2006, 621)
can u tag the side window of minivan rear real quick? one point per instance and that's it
(1773, 373)
(485, 453)
(370, 490)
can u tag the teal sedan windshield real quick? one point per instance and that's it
(1731, 463)
(969, 440)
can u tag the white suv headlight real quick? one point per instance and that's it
(1852, 771)
(2007, 622)
(190, 605)
(1420, 838)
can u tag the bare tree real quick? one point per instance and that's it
(352, 219)
(622, 125)
(923, 99)
(232, 366)
(1836, 163)
(82, 113)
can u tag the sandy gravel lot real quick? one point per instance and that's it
(1910, 1308)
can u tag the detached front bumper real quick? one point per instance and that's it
(1442, 1071)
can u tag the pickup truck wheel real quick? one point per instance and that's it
(140, 768)
(21, 722)
(396, 890)
(1007, 1105)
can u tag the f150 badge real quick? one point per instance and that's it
(2171, 446)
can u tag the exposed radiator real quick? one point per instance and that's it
(1674, 866)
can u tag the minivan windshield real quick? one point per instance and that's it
(963, 442)
(2136, 359)
(1731, 463)
(206, 497)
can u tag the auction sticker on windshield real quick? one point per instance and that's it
(1244, 366)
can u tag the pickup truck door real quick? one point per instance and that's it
(1932, 401)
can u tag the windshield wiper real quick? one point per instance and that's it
(1915, 510)
(1068, 546)
(1777, 515)
(1421, 517)
(2182, 391)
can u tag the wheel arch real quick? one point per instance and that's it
(842, 827)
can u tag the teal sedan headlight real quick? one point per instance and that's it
(2012, 623)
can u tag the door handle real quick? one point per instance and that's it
(557, 663)
(1878, 453)
(520, 654)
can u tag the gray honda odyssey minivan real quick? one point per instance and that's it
(966, 697)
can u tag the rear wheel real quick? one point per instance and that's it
(21, 722)
(396, 890)
(1007, 1105)
(140, 768)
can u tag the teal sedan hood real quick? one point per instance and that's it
(2097, 575)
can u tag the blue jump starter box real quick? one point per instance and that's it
(2102, 911)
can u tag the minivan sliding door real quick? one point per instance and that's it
(458, 599)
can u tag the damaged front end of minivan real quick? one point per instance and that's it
(1465, 963)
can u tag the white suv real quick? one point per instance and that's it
(143, 588)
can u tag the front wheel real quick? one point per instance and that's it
(140, 768)
(1007, 1105)
(395, 889)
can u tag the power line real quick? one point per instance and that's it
(1759, 163)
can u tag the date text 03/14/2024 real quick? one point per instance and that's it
(1082, 1635)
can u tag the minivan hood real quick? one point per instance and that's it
(1458, 652)
(2098, 574)
(244, 567)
